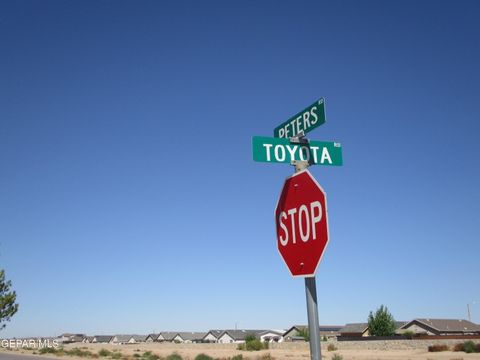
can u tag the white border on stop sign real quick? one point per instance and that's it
(326, 220)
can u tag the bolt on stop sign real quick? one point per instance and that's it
(302, 224)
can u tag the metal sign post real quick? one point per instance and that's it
(311, 295)
(313, 323)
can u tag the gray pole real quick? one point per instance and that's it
(311, 292)
(312, 313)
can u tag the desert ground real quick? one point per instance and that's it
(278, 352)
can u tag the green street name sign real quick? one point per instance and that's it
(306, 120)
(267, 149)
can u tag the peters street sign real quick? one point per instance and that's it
(306, 120)
(267, 149)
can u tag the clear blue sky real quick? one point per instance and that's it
(129, 200)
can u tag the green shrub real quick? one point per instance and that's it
(117, 355)
(237, 357)
(47, 350)
(469, 347)
(408, 334)
(337, 357)
(104, 352)
(331, 347)
(304, 333)
(203, 357)
(148, 355)
(174, 356)
(254, 345)
(437, 348)
(78, 352)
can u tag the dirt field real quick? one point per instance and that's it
(225, 351)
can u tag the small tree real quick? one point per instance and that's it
(303, 332)
(381, 323)
(8, 306)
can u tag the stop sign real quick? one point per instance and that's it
(301, 222)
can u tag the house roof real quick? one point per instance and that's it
(103, 338)
(139, 338)
(215, 333)
(323, 328)
(276, 332)
(77, 337)
(70, 335)
(192, 336)
(447, 325)
(295, 327)
(122, 338)
(241, 334)
(152, 336)
(334, 328)
(354, 328)
(168, 335)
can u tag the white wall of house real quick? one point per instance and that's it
(270, 336)
(63, 338)
(210, 337)
(178, 338)
(115, 340)
(227, 339)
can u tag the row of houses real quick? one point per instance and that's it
(437, 327)
(295, 333)
(212, 336)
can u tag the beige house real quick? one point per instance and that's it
(354, 330)
(294, 333)
(189, 337)
(212, 336)
(166, 336)
(441, 327)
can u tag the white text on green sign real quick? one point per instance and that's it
(306, 120)
(266, 149)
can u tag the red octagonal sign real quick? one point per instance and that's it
(302, 225)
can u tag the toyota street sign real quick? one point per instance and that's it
(302, 224)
